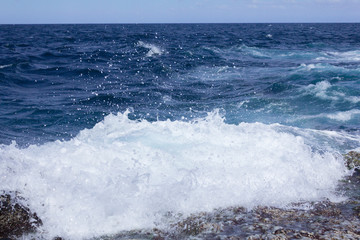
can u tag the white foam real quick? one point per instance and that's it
(326, 67)
(348, 55)
(324, 90)
(5, 66)
(309, 67)
(354, 99)
(240, 104)
(238, 52)
(124, 174)
(344, 116)
(321, 86)
(256, 52)
(337, 116)
(320, 90)
(153, 49)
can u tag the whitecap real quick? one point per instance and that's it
(320, 90)
(255, 52)
(347, 56)
(353, 99)
(153, 49)
(324, 90)
(342, 116)
(309, 67)
(5, 66)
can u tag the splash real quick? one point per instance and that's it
(124, 174)
(153, 49)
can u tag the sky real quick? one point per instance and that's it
(177, 11)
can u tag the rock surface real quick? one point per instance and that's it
(352, 160)
(15, 218)
(323, 220)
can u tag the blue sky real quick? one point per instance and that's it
(177, 11)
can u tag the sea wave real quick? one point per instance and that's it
(126, 174)
(294, 55)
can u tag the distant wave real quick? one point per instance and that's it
(319, 56)
(153, 49)
(337, 116)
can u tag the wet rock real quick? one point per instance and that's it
(279, 230)
(324, 220)
(15, 219)
(197, 224)
(352, 160)
(326, 209)
(307, 234)
(357, 211)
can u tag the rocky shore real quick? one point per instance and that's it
(15, 218)
(325, 221)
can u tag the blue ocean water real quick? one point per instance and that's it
(109, 112)
(59, 79)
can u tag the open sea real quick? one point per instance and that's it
(109, 128)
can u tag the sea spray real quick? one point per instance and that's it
(126, 174)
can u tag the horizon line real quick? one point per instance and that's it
(148, 23)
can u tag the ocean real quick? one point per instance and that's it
(109, 128)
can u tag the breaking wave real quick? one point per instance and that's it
(125, 174)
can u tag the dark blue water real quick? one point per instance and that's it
(56, 80)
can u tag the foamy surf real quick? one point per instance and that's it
(125, 174)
